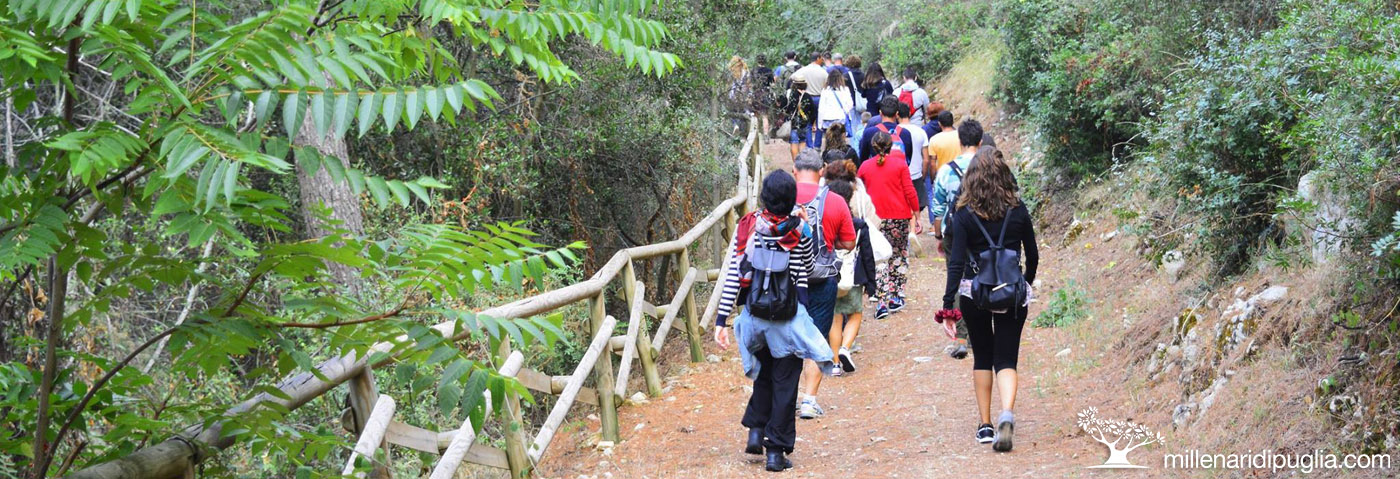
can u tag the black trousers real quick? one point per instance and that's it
(773, 405)
(995, 338)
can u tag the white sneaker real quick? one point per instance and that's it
(844, 356)
(809, 409)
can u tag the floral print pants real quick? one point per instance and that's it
(891, 280)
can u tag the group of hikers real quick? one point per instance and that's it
(836, 230)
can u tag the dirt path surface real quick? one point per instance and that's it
(908, 411)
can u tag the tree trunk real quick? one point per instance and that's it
(318, 189)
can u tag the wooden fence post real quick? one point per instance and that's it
(603, 375)
(514, 425)
(644, 353)
(692, 323)
(364, 394)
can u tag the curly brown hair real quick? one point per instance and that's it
(989, 189)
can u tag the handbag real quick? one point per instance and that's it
(880, 246)
(848, 270)
(859, 99)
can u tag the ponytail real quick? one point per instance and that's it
(881, 143)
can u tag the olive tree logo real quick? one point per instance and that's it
(1121, 437)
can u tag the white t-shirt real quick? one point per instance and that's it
(916, 153)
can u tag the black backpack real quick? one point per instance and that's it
(772, 293)
(998, 284)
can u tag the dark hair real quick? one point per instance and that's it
(945, 119)
(834, 78)
(990, 188)
(835, 135)
(841, 187)
(881, 144)
(760, 60)
(873, 76)
(853, 62)
(838, 167)
(909, 74)
(817, 57)
(790, 55)
(970, 133)
(889, 106)
(903, 110)
(779, 195)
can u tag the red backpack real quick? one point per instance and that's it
(896, 143)
(907, 97)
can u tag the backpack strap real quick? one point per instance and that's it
(957, 170)
(1005, 220)
(821, 212)
(985, 234)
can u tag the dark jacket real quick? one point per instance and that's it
(800, 107)
(865, 259)
(874, 94)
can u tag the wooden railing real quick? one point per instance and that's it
(371, 415)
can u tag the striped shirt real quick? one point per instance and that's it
(735, 282)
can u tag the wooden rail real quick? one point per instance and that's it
(174, 457)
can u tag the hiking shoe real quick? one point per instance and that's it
(985, 434)
(1006, 426)
(959, 350)
(844, 356)
(882, 312)
(809, 409)
(895, 304)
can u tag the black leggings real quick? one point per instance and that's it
(995, 338)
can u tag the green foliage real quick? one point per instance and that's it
(207, 101)
(1068, 306)
(931, 37)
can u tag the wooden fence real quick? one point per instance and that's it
(371, 415)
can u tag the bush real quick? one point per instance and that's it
(1069, 305)
(931, 39)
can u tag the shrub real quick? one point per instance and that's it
(1068, 305)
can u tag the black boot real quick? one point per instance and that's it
(755, 445)
(777, 461)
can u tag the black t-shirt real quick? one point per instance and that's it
(968, 242)
(763, 78)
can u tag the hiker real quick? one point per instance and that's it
(888, 123)
(992, 227)
(838, 64)
(835, 104)
(856, 77)
(783, 74)
(835, 141)
(947, 187)
(915, 152)
(886, 177)
(910, 94)
(800, 109)
(830, 218)
(857, 265)
(874, 87)
(931, 113)
(942, 148)
(740, 96)
(815, 74)
(772, 247)
(762, 92)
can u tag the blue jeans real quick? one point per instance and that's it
(928, 186)
(821, 303)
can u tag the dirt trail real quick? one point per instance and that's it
(908, 411)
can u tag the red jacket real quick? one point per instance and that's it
(889, 187)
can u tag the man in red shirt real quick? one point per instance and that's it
(837, 232)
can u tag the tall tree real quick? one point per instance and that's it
(213, 98)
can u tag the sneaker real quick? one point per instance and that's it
(810, 409)
(882, 312)
(1006, 426)
(844, 356)
(985, 434)
(836, 372)
(895, 304)
(959, 350)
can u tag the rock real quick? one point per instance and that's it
(1075, 228)
(1208, 397)
(713, 358)
(1172, 263)
(1326, 226)
(605, 446)
(1106, 237)
(592, 417)
(1274, 293)
(1064, 353)
(878, 439)
(639, 398)
(1181, 414)
(922, 359)
(639, 426)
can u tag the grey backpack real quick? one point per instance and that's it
(826, 263)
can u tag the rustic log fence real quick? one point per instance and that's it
(370, 415)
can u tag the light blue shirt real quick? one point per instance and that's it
(945, 185)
